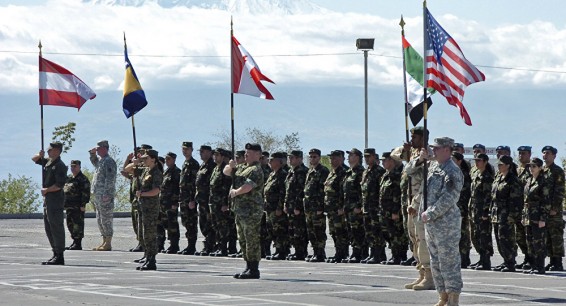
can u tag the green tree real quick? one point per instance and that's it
(268, 140)
(18, 195)
(64, 134)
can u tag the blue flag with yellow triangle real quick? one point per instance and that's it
(134, 97)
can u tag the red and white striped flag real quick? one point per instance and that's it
(60, 87)
(246, 76)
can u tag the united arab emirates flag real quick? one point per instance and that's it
(414, 77)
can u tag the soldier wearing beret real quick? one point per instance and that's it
(202, 197)
(294, 194)
(169, 205)
(274, 204)
(54, 177)
(524, 175)
(77, 195)
(218, 203)
(554, 177)
(334, 206)
(187, 204)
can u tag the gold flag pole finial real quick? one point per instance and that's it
(402, 24)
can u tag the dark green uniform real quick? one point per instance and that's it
(294, 193)
(524, 175)
(202, 197)
(536, 209)
(352, 200)
(333, 202)
(554, 177)
(274, 197)
(390, 203)
(463, 205)
(169, 211)
(314, 209)
(220, 220)
(77, 195)
(480, 201)
(149, 206)
(187, 191)
(370, 201)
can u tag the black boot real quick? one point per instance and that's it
(205, 250)
(485, 262)
(71, 246)
(76, 246)
(173, 247)
(190, 249)
(138, 248)
(232, 246)
(319, 255)
(50, 259)
(557, 265)
(509, 266)
(237, 275)
(465, 260)
(58, 260)
(252, 272)
(408, 262)
(370, 256)
(141, 260)
(299, 254)
(160, 244)
(356, 256)
(373, 256)
(149, 264)
(538, 265)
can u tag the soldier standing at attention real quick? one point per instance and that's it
(463, 202)
(219, 208)
(353, 205)
(77, 195)
(274, 197)
(54, 177)
(247, 187)
(524, 175)
(169, 205)
(554, 177)
(443, 220)
(104, 190)
(334, 206)
(266, 231)
(187, 204)
(294, 194)
(390, 207)
(202, 197)
(314, 206)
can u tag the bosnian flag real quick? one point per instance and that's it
(60, 87)
(246, 76)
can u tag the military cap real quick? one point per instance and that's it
(75, 162)
(386, 155)
(478, 146)
(150, 153)
(223, 152)
(338, 153)
(506, 148)
(481, 156)
(228, 153)
(315, 151)
(146, 147)
(536, 161)
(162, 159)
(172, 155)
(265, 154)
(418, 130)
(103, 143)
(240, 153)
(550, 148)
(369, 151)
(277, 155)
(458, 145)
(253, 146)
(443, 142)
(55, 145)
(187, 144)
(524, 148)
(458, 155)
(296, 153)
(355, 151)
(505, 159)
(205, 148)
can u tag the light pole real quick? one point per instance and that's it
(365, 44)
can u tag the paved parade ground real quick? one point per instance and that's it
(110, 278)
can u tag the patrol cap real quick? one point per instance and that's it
(443, 142)
(253, 146)
(75, 162)
(478, 146)
(524, 148)
(146, 147)
(240, 153)
(458, 145)
(481, 156)
(355, 151)
(418, 130)
(296, 153)
(277, 155)
(550, 148)
(265, 154)
(314, 151)
(205, 148)
(150, 153)
(338, 153)
(369, 151)
(506, 148)
(505, 159)
(171, 154)
(55, 145)
(458, 155)
(536, 161)
(187, 144)
(103, 143)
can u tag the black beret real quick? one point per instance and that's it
(146, 147)
(549, 148)
(524, 148)
(171, 154)
(55, 145)
(355, 151)
(253, 146)
(240, 153)
(478, 146)
(506, 148)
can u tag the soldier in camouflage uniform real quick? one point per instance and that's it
(169, 205)
(370, 202)
(294, 194)
(524, 175)
(463, 202)
(187, 204)
(535, 214)
(104, 190)
(266, 230)
(54, 177)
(442, 220)
(506, 205)
(232, 231)
(246, 191)
(314, 206)
(202, 197)
(219, 206)
(77, 195)
(274, 197)
(554, 178)
(151, 179)
(334, 206)
(353, 206)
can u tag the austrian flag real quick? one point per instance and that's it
(60, 87)
(246, 76)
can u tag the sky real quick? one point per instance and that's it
(181, 56)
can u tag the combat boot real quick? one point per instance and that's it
(465, 260)
(525, 264)
(252, 272)
(106, 244)
(160, 244)
(538, 265)
(442, 299)
(71, 246)
(370, 256)
(205, 250)
(378, 256)
(237, 275)
(138, 248)
(509, 267)
(50, 259)
(190, 249)
(267, 248)
(299, 255)
(418, 280)
(77, 245)
(557, 266)
(408, 262)
(58, 260)
(141, 260)
(356, 256)
(454, 299)
(101, 245)
(485, 263)
(474, 265)
(427, 283)
(173, 247)
(150, 264)
(319, 256)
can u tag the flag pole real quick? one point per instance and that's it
(425, 108)
(41, 118)
(402, 24)
(133, 124)
(232, 84)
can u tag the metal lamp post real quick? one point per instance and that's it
(365, 44)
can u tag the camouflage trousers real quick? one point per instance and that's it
(266, 230)
(521, 238)
(220, 223)
(316, 229)
(443, 238)
(75, 221)
(280, 229)
(418, 235)
(555, 236)
(465, 240)
(356, 230)
(54, 226)
(135, 217)
(104, 215)
(394, 234)
(535, 236)
(248, 233)
(189, 219)
(149, 215)
(205, 224)
(481, 236)
(406, 225)
(505, 239)
(338, 228)
(298, 230)
(372, 226)
(168, 222)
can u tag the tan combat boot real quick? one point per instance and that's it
(453, 299)
(443, 299)
(101, 245)
(107, 245)
(418, 280)
(427, 283)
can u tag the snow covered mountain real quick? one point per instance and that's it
(287, 7)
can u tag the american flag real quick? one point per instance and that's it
(447, 70)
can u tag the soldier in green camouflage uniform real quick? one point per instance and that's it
(202, 197)
(187, 204)
(334, 206)
(463, 202)
(554, 178)
(77, 195)
(274, 197)
(314, 206)
(247, 187)
(353, 206)
(535, 214)
(294, 193)
(169, 205)
(266, 230)
(507, 202)
(219, 206)
(524, 175)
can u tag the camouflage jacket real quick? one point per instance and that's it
(465, 194)
(444, 184)
(314, 188)
(250, 203)
(203, 181)
(149, 180)
(390, 193)
(77, 190)
(523, 174)
(333, 198)
(219, 187)
(170, 186)
(353, 188)
(295, 188)
(54, 173)
(370, 188)
(104, 177)
(274, 190)
(414, 172)
(187, 186)
(506, 199)
(554, 177)
(537, 205)
(480, 194)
